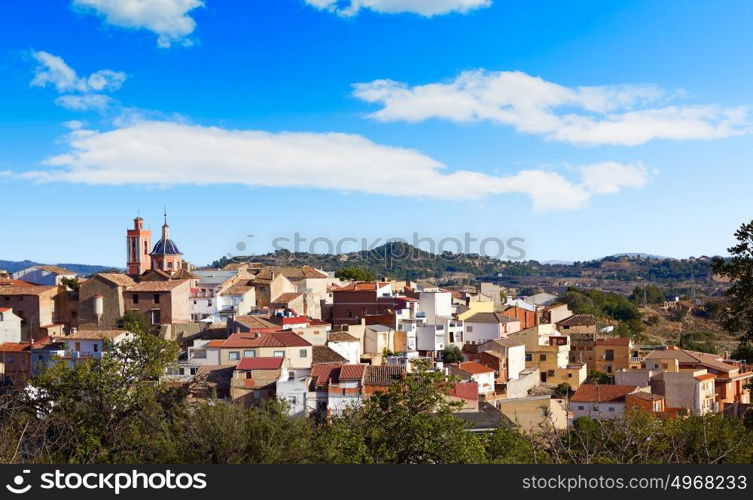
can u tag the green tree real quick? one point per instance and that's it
(135, 322)
(107, 409)
(355, 274)
(71, 283)
(410, 423)
(738, 316)
(452, 354)
(743, 352)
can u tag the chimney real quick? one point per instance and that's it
(237, 329)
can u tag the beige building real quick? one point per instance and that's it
(163, 302)
(295, 349)
(548, 351)
(107, 289)
(535, 413)
(39, 307)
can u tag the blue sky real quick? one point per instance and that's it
(587, 128)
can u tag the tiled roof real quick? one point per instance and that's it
(117, 278)
(683, 356)
(647, 396)
(625, 341)
(489, 317)
(593, 393)
(503, 342)
(25, 289)
(487, 417)
(351, 372)
(94, 335)
(265, 339)
(268, 363)
(341, 337)
(323, 354)
(356, 287)
(322, 374)
(705, 376)
(237, 290)
(156, 286)
(291, 272)
(474, 368)
(579, 320)
(286, 298)
(14, 347)
(54, 269)
(582, 339)
(466, 390)
(4, 309)
(383, 375)
(252, 322)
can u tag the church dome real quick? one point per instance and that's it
(166, 247)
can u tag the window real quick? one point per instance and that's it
(96, 347)
(234, 355)
(529, 356)
(469, 329)
(249, 354)
(581, 407)
(155, 314)
(542, 357)
(209, 303)
(135, 298)
(569, 375)
(279, 354)
(303, 353)
(611, 409)
(609, 355)
(156, 298)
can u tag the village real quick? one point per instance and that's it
(250, 333)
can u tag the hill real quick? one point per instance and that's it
(403, 261)
(80, 269)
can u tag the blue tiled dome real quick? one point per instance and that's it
(166, 247)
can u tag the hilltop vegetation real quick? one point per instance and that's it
(403, 261)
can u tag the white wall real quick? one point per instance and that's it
(436, 305)
(603, 411)
(485, 382)
(10, 327)
(516, 361)
(349, 350)
(480, 332)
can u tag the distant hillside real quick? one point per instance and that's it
(403, 261)
(80, 269)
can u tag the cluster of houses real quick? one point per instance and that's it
(251, 332)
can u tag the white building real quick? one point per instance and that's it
(10, 326)
(345, 345)
(44, 275)
(430, 338)
(600, 401)
(87, 344)
(485, 326)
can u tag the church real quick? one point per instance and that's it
(142, 257)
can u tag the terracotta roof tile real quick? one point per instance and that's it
(261, 363)
(593, 393)
(156, 286)
(383, 375)
(474, 368)
(323, 354)
(625, 341)
(578, 320)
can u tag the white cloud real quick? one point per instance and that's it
(168, 153)
(426, 8)
(84, 102)
(53, 70)
(168, 19)
(621, 115)
(82, 93)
